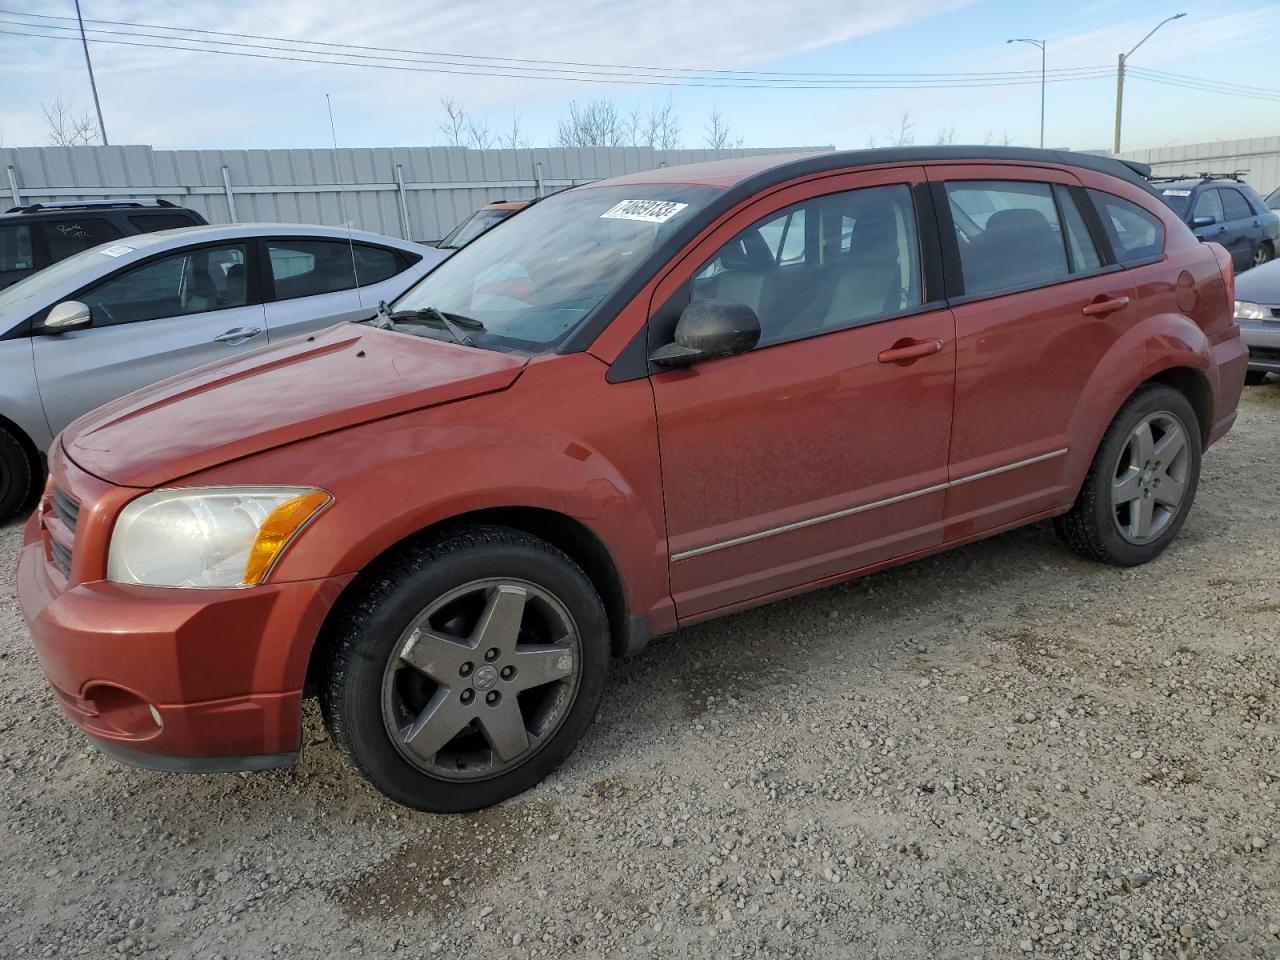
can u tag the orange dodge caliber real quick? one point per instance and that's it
(636, 405)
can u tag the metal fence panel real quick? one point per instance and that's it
(372, 188)
(1259, 155)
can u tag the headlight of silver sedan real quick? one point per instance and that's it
(208, 537)
(1246, 310)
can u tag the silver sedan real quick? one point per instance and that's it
(125, 314)
(1258, 316)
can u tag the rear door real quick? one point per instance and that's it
(151, 320)
(1036, 305)
(311, 283)
(1243, 224)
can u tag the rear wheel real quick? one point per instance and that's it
(1141, 483)
(17, 476)
(467, 670)
(1264, 253)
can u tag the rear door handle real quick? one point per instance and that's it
(905, 352)
(237, 335)
(1100, 308)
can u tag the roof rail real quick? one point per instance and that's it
(123, 203)
(1205, 177)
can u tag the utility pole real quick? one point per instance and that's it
(1124, 58)
(102, 127)
(1041, 44)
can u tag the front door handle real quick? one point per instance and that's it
(1104, 305)
(906, 351)
(237, 335)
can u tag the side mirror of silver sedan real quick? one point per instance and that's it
(67, 316)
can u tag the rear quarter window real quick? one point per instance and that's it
(1135, 234)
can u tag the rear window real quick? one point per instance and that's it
(73, 234)
(1134, 233)
(154, 222)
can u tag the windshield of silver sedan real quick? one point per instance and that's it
(529, 281)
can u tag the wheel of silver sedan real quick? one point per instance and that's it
(1150, 479)
(481, 679)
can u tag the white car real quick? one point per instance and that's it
(122, 315)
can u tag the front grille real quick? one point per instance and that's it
(65, 508)
(61, 556)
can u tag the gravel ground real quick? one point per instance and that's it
(999, 752)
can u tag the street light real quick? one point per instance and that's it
(1041, 45)
(1120, 74)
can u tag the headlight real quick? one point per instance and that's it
(1249, 311)
(208, 537)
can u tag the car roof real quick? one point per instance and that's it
(210, 232)
(761, 169)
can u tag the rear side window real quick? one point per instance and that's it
(194, 281)
(15, 248)
(1234, 205)
(1008, 233)
(308, 268)
(73, 234)
(1080, 246)
(1134, 233)
(151, 223)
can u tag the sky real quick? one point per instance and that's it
(184, 99)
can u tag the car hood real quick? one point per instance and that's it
(303, 387)
(1261, 284)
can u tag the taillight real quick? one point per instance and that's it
(1228, 270)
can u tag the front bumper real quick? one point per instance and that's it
(199, 680)
(1263, 339)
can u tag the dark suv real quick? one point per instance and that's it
(35, 236)
(1223, 208)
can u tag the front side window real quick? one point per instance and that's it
(15, 248)
(73, 234)
(308, 268)
(1208, 204)
(1008, 233)
(1234, 206)
(194, 281)
(529, 284)
(821, 264)
(1134, 233)
(472, 227)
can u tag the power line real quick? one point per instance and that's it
(1269, 97)
(901, 84)
(1219, 86)
(557, 66)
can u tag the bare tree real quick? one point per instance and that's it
(659, 128)
(946, 136)
(513, 139)
(716, 133)
(64, 127)
(454, 126)
(901, 136)
(595, 123)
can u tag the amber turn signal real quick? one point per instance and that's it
(281, 526)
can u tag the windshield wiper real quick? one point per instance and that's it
(455, 324)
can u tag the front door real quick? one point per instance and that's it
(150, 321)
(824, 449)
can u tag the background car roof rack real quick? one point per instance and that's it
(93, 205)
(1205, 177)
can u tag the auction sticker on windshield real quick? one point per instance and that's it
(650, 211)
(1177, 193)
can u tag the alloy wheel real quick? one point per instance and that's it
(1150, 479)
(481, 679)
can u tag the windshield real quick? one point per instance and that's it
(1177, 199)
(35, 286)
(472, 227)
(537, 276)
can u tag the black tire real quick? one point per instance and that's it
(367, 631)
(1255, 378)
(1090, 527)
(1265, 254)
(17, 476)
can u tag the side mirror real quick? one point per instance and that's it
(709, 329)
(1198, 222)
(67, 316)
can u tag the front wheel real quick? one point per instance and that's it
(467, 669)
(1263, 254)
(1141, 483)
